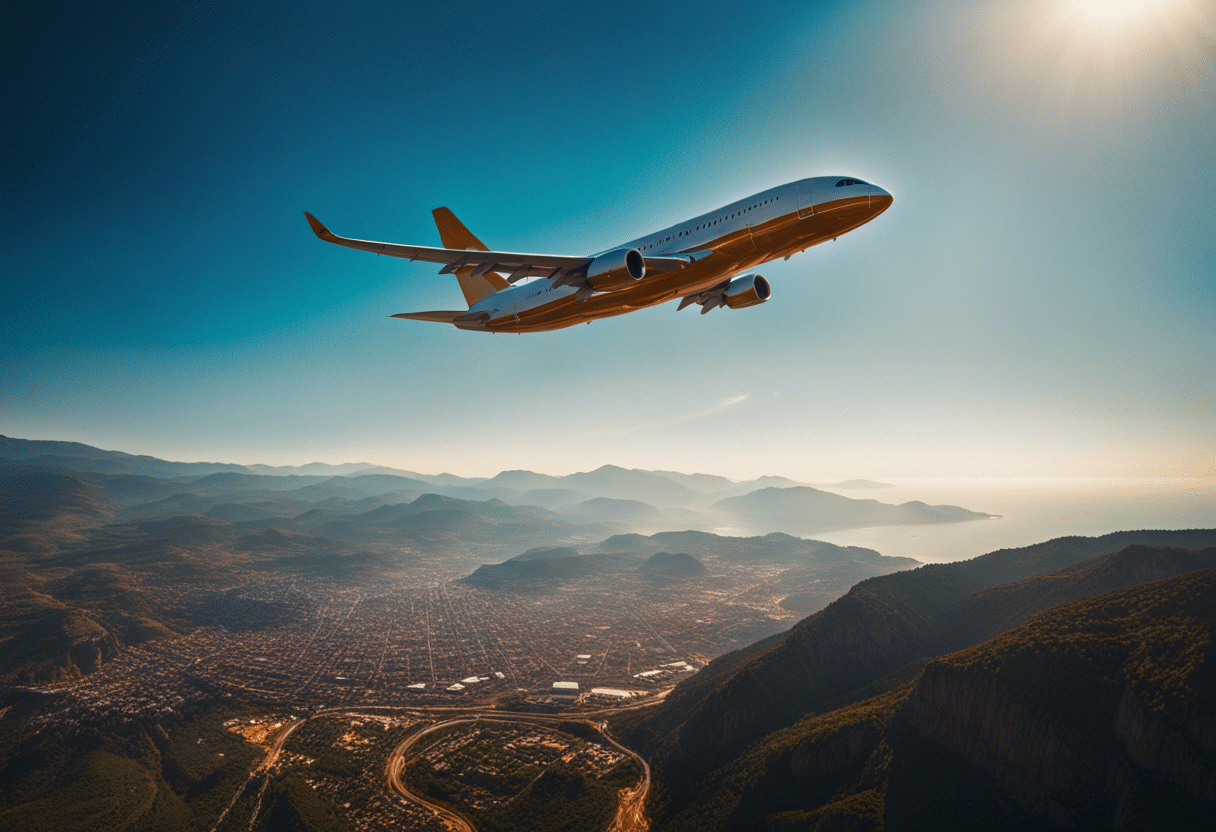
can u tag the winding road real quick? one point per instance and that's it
(630, 814)
(631, 811)
(396, 762)
(262, 766)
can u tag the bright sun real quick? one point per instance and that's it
(1114, 9)
(1083, 61)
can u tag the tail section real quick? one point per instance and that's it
(454, 235)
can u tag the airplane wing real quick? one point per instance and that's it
(515, 265)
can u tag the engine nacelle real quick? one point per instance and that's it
(616, 269)
(746, 290)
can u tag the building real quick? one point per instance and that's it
(567, 690)
(613, 694)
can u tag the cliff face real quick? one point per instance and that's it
(882, 624)
(1056, 773)
(975, 718)
(1095, 712)
(837, 752)
(1098, 711)
(1182, 750)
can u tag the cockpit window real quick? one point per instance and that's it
(844, 182)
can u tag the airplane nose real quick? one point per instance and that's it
(880, 198)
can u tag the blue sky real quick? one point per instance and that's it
(1040, 300)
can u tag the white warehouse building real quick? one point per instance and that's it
(568, 690)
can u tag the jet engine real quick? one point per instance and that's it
(616, 269)
(746, 290)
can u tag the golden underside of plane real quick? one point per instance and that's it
(737, 252)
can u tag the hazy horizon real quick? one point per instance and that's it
(812, 477)
(1029, 510)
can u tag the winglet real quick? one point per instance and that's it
(320, 230)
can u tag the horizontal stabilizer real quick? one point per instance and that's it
(441, 316)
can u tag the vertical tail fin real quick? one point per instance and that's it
(454, 235)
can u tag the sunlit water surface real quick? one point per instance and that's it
(1031, 511)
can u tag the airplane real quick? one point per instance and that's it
(705, 261)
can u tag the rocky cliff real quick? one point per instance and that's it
(885, 624)
(1097, 709)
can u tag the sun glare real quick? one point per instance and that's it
(1082, 62)
(1115, 10)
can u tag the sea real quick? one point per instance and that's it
(1030, 511)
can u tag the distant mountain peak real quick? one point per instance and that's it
(806, 510)
(549, 553)
(675, 565)
(858, 485)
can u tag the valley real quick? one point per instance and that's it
(229, 649)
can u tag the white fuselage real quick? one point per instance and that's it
(773, 223)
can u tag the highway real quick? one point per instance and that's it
(396, 762)
(631, 811)
(630, 816)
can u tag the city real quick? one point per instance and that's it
(323, 670)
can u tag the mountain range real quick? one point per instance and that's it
(80, 550)
(1067, 684)
(848, 719)
(649, 500)
(801, 509)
